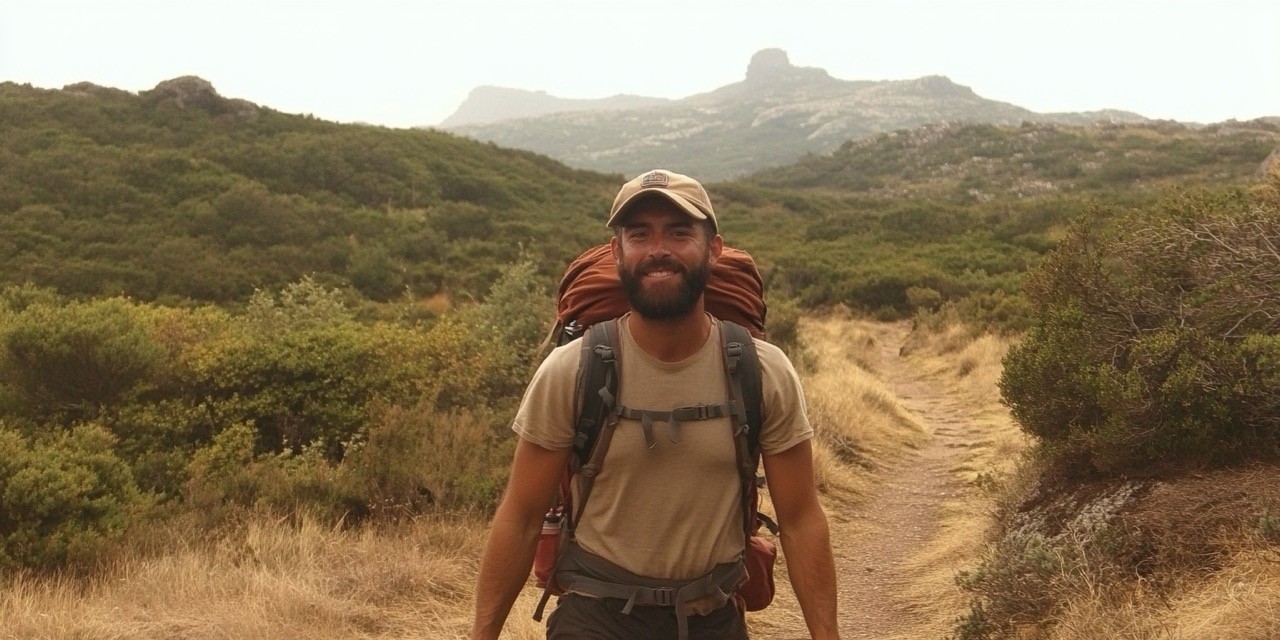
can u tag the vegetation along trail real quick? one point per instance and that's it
(899, 531)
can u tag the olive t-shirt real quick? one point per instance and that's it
(672, 511)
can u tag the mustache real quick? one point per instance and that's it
(660, 264)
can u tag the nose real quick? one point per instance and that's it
(658, 246)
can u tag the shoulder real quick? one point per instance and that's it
(773, 361)
(563, 358)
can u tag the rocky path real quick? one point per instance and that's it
(872, 539)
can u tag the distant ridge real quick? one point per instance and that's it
(487, 104)
(777, 114)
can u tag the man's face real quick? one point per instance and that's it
(664, 258)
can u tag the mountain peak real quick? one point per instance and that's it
(773, 65)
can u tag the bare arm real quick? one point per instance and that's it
(806, 538)
(513, 536)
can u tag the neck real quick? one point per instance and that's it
(674, 339)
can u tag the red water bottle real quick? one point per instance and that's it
(544, 558)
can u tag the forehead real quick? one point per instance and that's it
(654, 210)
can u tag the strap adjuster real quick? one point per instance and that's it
(665, 596)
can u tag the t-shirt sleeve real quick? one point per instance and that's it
(546, 412)
(786, 419)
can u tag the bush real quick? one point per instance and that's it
(63, 498)
(1062, 541)
(302, 371)
(485, 354)
(784, 329)
(1155, 338)
(75, 359)
(227, 477)
(422, 457)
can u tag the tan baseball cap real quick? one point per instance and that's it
(681, 190)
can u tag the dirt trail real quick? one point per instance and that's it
(871, 539)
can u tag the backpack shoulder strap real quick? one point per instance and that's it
(742, 364)
(597, 386)
(746, 390)
(597, 393)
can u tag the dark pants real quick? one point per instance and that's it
(579, 617)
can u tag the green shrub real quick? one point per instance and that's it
(1015, 585)
(784, 329)
(301, 370)
(1154, 340)
(422, 457)
(301, 304)
(158, 438)
(63, 498)
(484, 354)
(219, 473)
(16, 298)
(74, 359)
(227, 477)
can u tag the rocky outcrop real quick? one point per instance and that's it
(1270, 165)
(773, 66)
(192, 92)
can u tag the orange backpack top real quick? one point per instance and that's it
(591, 292)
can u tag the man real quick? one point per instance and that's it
(659, 509)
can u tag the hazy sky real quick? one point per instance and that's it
(412, 62)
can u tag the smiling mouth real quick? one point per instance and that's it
(659, 274)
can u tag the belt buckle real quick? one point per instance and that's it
(665, 596)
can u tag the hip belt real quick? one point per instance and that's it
(587, 574)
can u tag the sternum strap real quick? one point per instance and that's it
(673, 418)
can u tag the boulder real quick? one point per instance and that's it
(192, 92)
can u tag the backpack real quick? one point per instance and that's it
(589, 301)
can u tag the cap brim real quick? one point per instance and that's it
(686, 206)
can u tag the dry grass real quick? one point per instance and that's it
(861, 425)
(1220, 577)
(269, 580)
(1240, 602)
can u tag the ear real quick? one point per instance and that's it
(715, 247)
(616, 248)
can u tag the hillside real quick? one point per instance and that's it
(777, 114)
(984, 162)
(961, 211)
(487, 104)
(181, 193)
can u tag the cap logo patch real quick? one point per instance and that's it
(655, 179)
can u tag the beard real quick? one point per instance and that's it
(658, 305)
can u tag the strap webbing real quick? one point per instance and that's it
(673, 418)
(742, 364)
(591, 575)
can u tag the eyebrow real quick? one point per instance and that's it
(670, 225)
